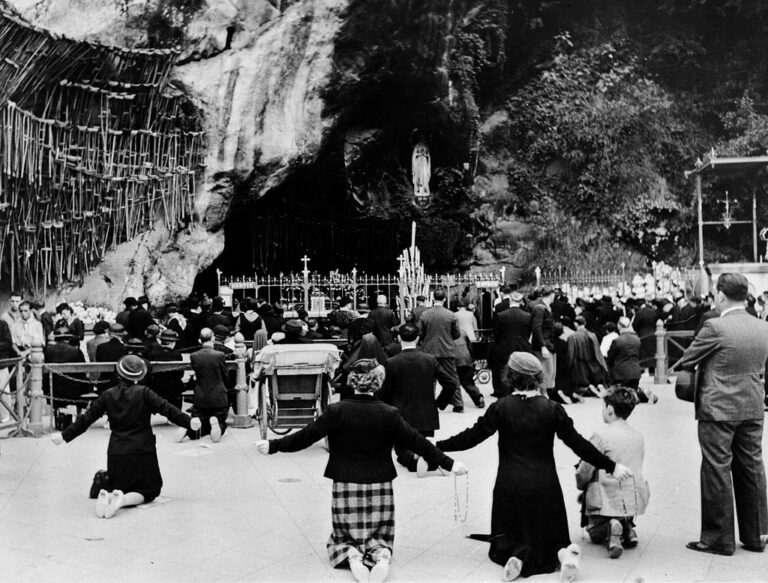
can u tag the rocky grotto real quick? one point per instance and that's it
(555, 137)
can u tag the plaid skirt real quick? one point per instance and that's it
(363, 518)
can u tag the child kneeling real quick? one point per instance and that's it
(608, 508)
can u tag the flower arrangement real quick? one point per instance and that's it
(89, 315)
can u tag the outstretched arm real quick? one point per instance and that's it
(486, 426)
(93, 413)
(305, 437)
(584, 470)
(159, 405)
(407, 437)
(580, 446)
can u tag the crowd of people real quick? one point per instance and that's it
(546, 353)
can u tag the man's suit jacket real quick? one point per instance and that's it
(64, 388)
(541, 327)
(510, 333)
(384, 320)
(6, 341)
(731, 352)
(110, 351)
(212, 378)
(624, 357)
(438, 328)
(409, 385)
(166, 384)
(138, 321)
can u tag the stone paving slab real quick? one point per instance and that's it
(229, 514)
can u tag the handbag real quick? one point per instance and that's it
(685, 385)
(100, 482)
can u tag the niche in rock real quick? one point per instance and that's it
(310, 213)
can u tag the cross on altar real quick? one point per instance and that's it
(306, 260)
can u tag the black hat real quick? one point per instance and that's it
(134, 344)
(130, 301)
(116, 329)
(63, 306)
(143, 300)
(100, 327)
(169, 335)
(132, 368)
(220, 331)
(294, 326)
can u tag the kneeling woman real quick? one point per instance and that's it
(131, 455)
(529, 526)
(361, 432)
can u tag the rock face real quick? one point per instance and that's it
(262, 102)
(256, 70)
(297, 96)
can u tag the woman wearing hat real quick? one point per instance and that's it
(131, 455)
(529, 526)
(361, 431)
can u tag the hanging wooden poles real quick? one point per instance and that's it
(94, 148)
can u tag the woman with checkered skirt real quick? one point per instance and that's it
(361, 432)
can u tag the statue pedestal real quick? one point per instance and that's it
(756, 274)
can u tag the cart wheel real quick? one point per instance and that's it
(263, 412)
(273, 415)
(483, 376)
(325, 396)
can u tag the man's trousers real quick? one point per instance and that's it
(732, 467)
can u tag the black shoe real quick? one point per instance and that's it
(757, 548)
(704, 548)
(480, 404)
(458, 409)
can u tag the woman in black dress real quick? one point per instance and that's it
(529, 526)
(131, 455)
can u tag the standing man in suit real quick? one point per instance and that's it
(644, 324)
(511, 331)
(384, 320)
(409, 385)
(211, 383)
(730, 352)
(438, 328)
(111, 351)
(541, 337)
(503, 302)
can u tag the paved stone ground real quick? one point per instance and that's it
(229, 514)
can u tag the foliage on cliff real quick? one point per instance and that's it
(591, 111)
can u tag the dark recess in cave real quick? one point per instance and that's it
(309, 214)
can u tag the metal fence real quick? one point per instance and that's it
(317, 293)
